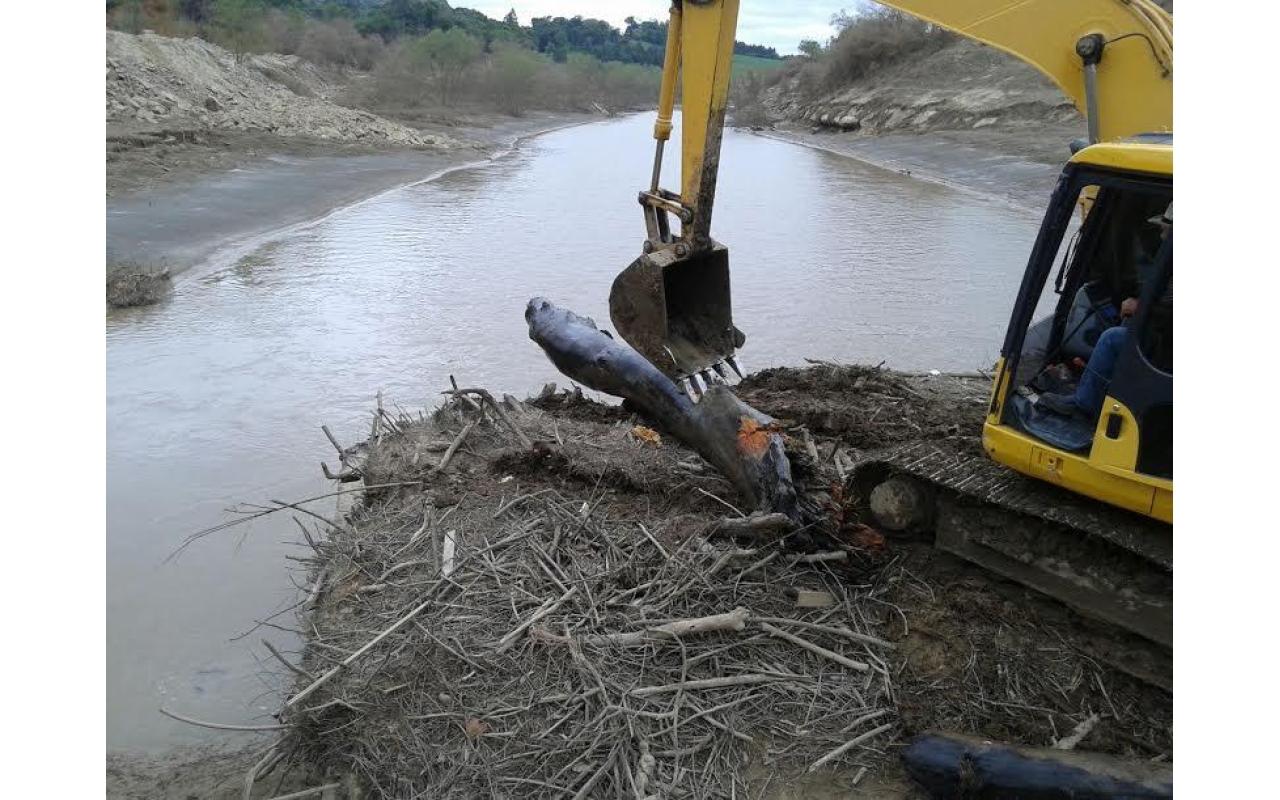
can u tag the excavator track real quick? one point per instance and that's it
(1107, 564)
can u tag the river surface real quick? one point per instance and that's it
(215, 397)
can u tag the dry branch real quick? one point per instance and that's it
(734, 620)
(815, 649)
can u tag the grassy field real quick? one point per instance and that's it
(743, 64)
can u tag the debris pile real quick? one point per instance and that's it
(556, 620)
(538, 599)
(129, 286)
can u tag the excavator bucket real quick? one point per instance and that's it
(675, 311)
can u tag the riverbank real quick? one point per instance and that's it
(1018, 167)
(174, 208)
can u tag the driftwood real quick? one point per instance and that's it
(744, 444)
(734, 620)
(953, 766)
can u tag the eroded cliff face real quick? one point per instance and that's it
(962, 86)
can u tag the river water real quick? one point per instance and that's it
(215, 396)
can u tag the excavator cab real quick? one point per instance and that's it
(1119, 447)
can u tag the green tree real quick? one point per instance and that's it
(126, 15)
(511, 19)
(239, 25)
(810, 47)
(446, 56)
(513, 75)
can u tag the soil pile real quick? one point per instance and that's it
(193, 84)
(962, 86)
(560, 617)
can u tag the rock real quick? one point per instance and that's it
(848, 122)
(900, 504)
(211, 104)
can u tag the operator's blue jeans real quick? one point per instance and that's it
(1097, 374)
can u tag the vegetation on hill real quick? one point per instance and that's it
(256, 25)
(426, 53)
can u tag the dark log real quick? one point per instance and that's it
(957, 766)
(744, 444)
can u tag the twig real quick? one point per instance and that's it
(250, 517)
(734, 620)
(342, 454)
(714, 683)
(819, 558)
(1077, 734)
(656, 543)
(816, 649)
(499, 410)
(294, 669)
(346, 662)
(220, 726)
(829, 629)
(722, 502)
(308, 792)
(847, 746)
(268, 760)
(590, 785)
(453, 448)
(317, 587)
(506, 641)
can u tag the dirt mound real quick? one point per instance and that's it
(868, 407)
(192, 83)
(962, 86)
(498, 617)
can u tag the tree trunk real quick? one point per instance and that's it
(957, 766)
(744, 444)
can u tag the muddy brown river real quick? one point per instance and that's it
(215, 396)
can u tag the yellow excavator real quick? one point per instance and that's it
(1094, 530)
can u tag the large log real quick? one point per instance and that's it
(744, 444)
(957, 766)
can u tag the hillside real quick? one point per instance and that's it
(190, 83)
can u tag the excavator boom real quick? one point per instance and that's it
(1122, 48)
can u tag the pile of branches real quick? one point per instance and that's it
(475, 632)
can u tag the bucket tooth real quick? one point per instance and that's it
(735, 364)
(699, 387)
(683, 383)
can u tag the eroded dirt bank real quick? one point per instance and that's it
(491, 617)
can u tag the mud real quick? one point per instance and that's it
(864, 408)
(209, 772)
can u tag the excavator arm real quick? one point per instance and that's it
(1113, 58)
(672, 303)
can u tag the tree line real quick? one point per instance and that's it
(247, 24)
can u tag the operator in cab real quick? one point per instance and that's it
(1090, 391)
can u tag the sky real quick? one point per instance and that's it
(778, 23)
